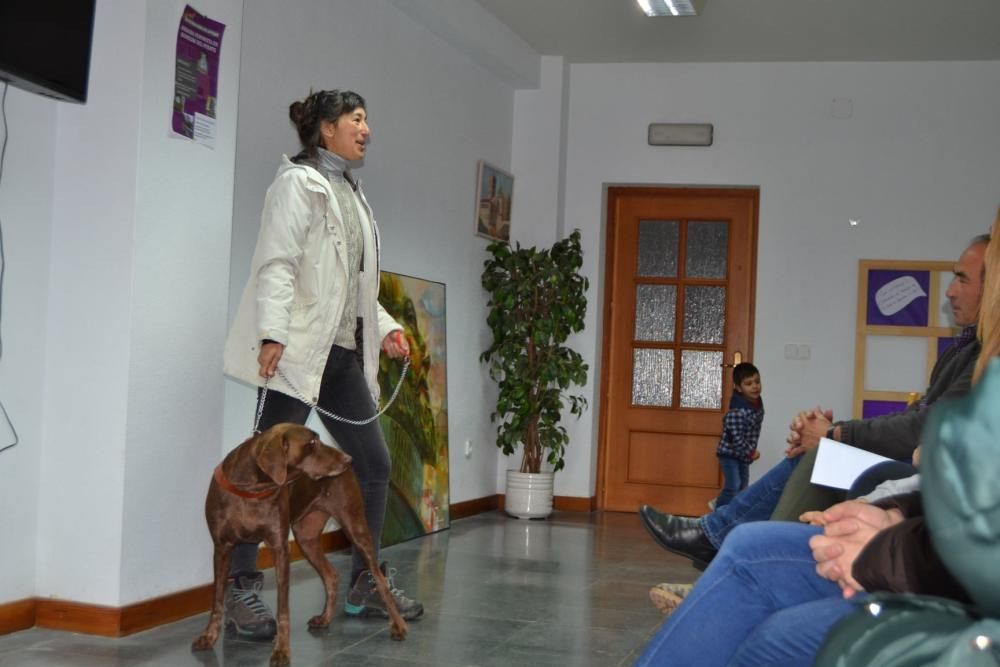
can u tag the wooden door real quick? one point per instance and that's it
(679, 303)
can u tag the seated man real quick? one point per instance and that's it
(895, 435)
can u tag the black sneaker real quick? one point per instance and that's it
(246, 614)
(363, 598)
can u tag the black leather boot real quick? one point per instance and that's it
(679, 534)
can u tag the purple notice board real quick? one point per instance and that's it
(944, 344)
(898, 298)
(196, 76)
(871, 409)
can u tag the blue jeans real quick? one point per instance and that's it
(760, 602)
(757, 503)
(736, 476)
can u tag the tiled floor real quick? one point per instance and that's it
(570, 590)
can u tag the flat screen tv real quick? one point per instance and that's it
(45, 46)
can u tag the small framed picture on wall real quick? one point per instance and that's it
(494, 195)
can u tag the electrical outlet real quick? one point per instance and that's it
(468, 449)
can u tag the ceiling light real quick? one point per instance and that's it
(671, 7)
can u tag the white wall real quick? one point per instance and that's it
(25, 213)
(916, 164)
(116, 293)
(184, 196)
(87, 337)
(433, 113)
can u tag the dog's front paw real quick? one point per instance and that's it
(281, 657)
(397, 631)
(319, 621)
(205, 642)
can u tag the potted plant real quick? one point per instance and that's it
(537, 298)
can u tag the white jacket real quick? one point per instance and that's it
(295, 292)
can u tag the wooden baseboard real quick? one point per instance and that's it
(104, 621)
(121, 621)
(332, 541)
(19, 615)
(167, 609)
(574, 504)
(564, 503)
(475, 506)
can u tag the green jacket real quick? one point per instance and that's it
(961, 498)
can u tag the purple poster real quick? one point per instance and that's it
(943, 344)
(871, 409)
(196, 77)
(898, 298)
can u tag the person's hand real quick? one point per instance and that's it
(268, 358)
(806, 430)
(395, 344)
(916, 457)
(755, 455)
(813, 518)
(848, 528)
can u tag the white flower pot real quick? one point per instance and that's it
(529, 495)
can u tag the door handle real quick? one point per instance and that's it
(737, 360)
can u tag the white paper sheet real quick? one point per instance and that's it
(838, 465)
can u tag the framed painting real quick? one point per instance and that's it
(494, 196)
(416, 424)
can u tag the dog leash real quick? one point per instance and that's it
(327, 413)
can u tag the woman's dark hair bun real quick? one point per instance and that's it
(296, 112)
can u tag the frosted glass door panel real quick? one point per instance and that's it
(655, 312)
(704, 314)
(652, 377)
(701, 379)
(707, 250)
(658, 248)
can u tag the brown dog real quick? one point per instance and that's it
(248, 501)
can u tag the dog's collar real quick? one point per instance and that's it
(220, 478)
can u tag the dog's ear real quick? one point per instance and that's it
(272, 458)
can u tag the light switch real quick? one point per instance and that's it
(804, 352)
(791, 351)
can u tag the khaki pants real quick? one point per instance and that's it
(801, 495)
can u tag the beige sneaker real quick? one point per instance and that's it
(667, 597)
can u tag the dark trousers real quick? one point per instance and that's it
(344, 392)
(878, 473)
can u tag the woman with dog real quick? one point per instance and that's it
(310, 324)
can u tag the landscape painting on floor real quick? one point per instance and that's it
(416, 424)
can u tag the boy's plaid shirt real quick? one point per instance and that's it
(740, 429)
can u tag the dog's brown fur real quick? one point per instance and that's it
(313, 501)
(284, 454)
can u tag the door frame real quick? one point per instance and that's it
(611, 192)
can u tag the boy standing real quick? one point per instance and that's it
(740, 431)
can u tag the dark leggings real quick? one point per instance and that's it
(344, 392)
(878, 473)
